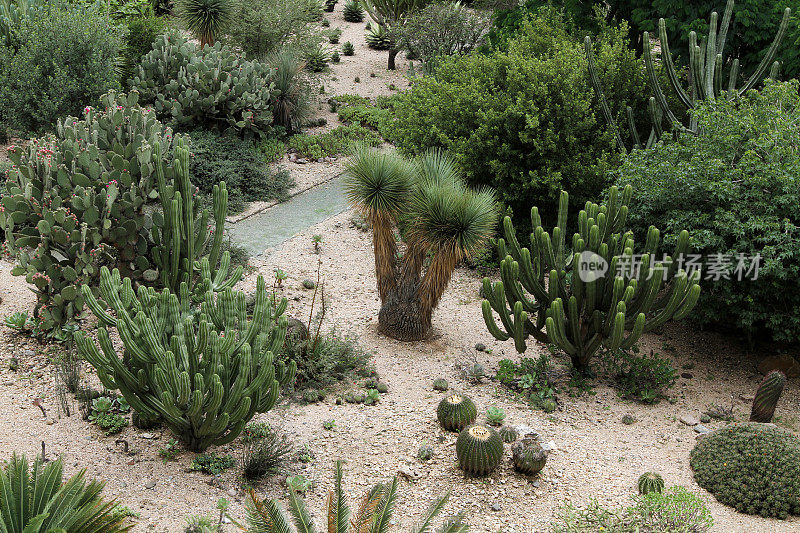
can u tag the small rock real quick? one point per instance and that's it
(148, 436)
(151, 484)
(524, 430)
(687, 375)
(689, 420)
(301, 161)
(549, 446)
(700, 428)
(784, 363)
(28, 353)
(535, 484)
(496, 507)
(480, 347)
(51, 422)
(407, 473)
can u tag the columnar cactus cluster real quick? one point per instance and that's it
(212, 87)
(205, 372)
(75, 200)
(575, 307)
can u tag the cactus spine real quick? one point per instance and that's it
(528, 455)
(650, 482)
(456, 412)
(582, 315)
(705, 68)
(479, 450)
(767, 396)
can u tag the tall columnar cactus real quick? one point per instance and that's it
(706, 64)
(182, 235)
(767, 396)
(76, 199)
(586, 297)
(206, 372)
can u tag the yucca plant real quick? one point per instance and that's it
(291, 96)
(373, 516)
(391, 14)
(444, 221)
(33, 499)
(206, 19)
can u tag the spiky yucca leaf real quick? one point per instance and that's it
(302, 520)
(206, 19)
(338, 511)
(378, 182)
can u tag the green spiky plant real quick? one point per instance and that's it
(528, 455)
(206, 19)
(456, 412)
(374, 514)
(389, 15)
(377, 38)
(348, 49)
(706, 66)
(446, 223)
(35, 499)
(650, 482)
(508, 434)
(767, 396)
(579, 315)
(352, 11)
(479, 450)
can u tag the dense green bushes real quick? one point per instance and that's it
(736, 189)
(60, 61)
(266, 27)
(210, 87)
(523, 121)
(233, 160)
(142, 33)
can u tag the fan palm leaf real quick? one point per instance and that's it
(206, 19)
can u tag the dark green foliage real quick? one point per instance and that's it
(767, 396)
(220, 90)
(269, 27)
(255, 431)
(650, 482)
(352, 11)
(264, 455)
(229, 158)
(377, 37)
(205, 19)
(348, 49)
(142, 33)
(330, 5)
(316, 58)
(212, 464)
(530, 378)
(34, 499)
(311, 396)
(479, 450)
(111, 423)
(424, 453)
(753, 28)
(524, 121)
(528, 455)
(456, 412)
(357, 109)
(745, 162)
(63, 60)
(639, 377)
(752, 467)
(334, 142)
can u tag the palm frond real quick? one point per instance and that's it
(338, 511)
(265, 516)
(362, 522)
(433, 510)
(302, 520)
(454, 525)
(383, 513)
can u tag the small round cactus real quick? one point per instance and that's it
(528, 455)
(651, 482)
(479, 450)
(628, 420)
(382, 387)
(440, 384)
(424, 453)
(311, 396)
(308, 284)
(508, 434)
(456, 412)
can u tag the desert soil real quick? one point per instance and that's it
(594, 456)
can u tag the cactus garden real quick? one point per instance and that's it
(399, 265)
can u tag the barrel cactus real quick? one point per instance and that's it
(479, 449)
(440, 385)
(528, 455)
(767, 396)
(456, 412)
(650, 482)
(508, 434)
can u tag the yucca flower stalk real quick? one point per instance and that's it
(445, 223)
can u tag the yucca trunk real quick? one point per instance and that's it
(392, 56)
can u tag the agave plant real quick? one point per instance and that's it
(444, 220)
(206, 19)
(34, 500)
(373, 516)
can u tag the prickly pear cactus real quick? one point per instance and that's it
(456, 412)
(75, 200)
(479, 450)
(650, 482)
(767, 396)
(205, 372)
(528, 455)
(212, 87)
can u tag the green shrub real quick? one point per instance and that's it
(235, 161)
(142, 33)
(266, 27)
(63, 60)
(357, 109)
(273, 149)
(523, 121)
(639, 377)
(212, 464)
(210, 87)
(72, 203)
(264, 456)
(334, 142)
(736, 189)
